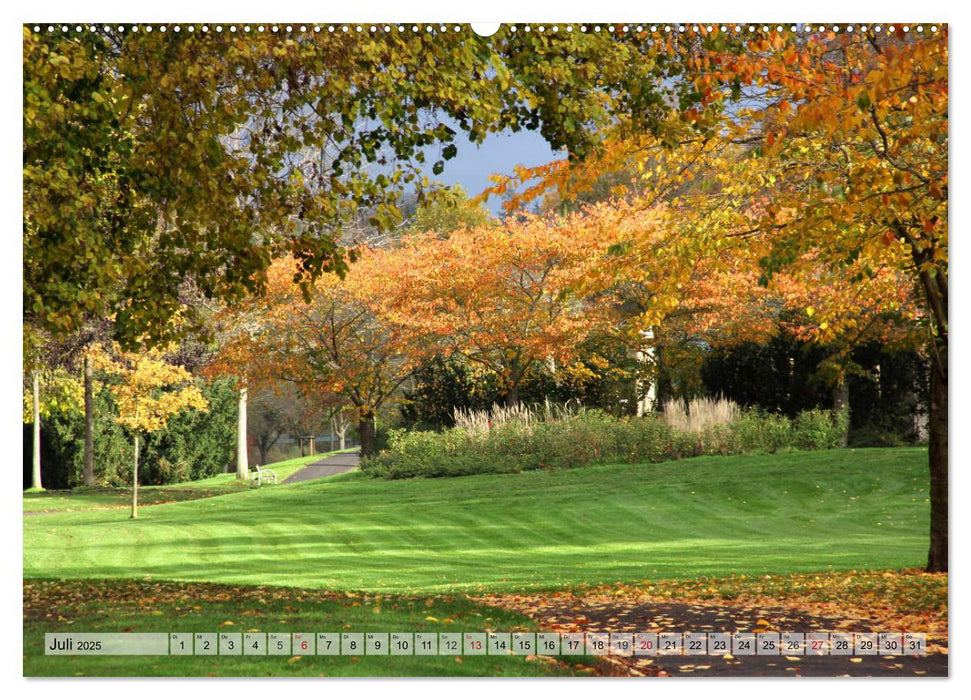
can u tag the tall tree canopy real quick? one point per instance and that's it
(823, 146)
(194, 155)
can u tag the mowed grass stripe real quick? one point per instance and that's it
(808, 511)
(97, 498)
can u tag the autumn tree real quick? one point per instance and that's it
(829, 143)
(268, 419)
(840, 311)
(853, 130)
(673, 303)
(279, 407)
(154, 157)
(446, 210)
(499, 296)
(721, 304)
(335, 341)
(148, 391)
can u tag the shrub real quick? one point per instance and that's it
(518, 439)
(193, 445)
(817, 430)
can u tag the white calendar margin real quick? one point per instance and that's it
(11, 648)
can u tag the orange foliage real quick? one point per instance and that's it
(504, 297)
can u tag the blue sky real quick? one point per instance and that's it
(499, 153)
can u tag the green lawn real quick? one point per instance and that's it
(94, 498)
(794, 512)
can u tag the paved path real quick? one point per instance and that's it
(329, 466)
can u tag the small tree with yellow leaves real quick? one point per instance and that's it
(148, 392)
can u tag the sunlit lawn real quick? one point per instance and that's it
(88, 498)
(794, 512)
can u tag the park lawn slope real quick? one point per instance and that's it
(712, 516)
(85, 498)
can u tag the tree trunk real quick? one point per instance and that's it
(933, 281)
(339, 425)
(35, 481)
(662, 382)
(366, 428)
(242, 458)
(937, 428)
(134, 483)
(512, 395)
(645, 390)
(88, 422)
(841, 402)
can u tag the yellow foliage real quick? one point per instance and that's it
(150, 390)
(60, 391)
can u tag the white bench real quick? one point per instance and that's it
(261, 475)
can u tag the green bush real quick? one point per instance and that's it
(592, 437)
(193, 445)
(817, 430)
(62, 447)
(761, 431)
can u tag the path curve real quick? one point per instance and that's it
(335, 464)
